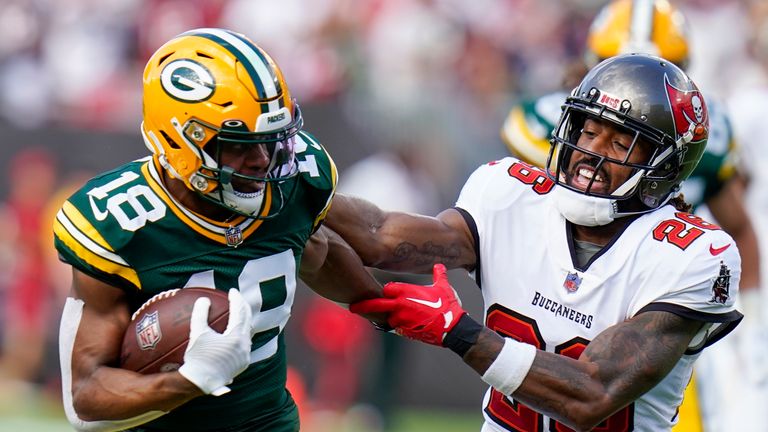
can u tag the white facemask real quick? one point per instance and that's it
(582, 209)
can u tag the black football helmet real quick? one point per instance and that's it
(657, 102)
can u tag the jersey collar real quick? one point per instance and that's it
(214, 230)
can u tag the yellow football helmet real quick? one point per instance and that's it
(643, 26)
(209, 87)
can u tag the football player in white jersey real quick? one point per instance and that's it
(655, 27)
(600, 289)
(659, 27)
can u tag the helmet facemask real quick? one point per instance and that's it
(245, 194)
(656, 104)
(637, 193)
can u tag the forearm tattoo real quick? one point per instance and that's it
(623, 362)
(427, 254)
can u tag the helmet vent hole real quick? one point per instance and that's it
(202, 54)
(225, 104)
(162, 59)
(170, 141)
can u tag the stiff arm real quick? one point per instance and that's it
(398, 241)
(332, 269)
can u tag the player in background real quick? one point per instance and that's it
(232, 198)
(659, 28)
(599, 289)
(749, 110)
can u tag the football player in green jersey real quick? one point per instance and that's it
(232, 198)
(654, 27)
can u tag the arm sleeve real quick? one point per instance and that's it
(70, 320)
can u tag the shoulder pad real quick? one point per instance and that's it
(98, 220)
(498, 184)
(528, 127)
(315, 164)
(318, 171)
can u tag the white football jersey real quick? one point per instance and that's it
(534, 291)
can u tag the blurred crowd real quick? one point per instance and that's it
(425, 83)
(440, 73)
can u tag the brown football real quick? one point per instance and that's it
(158, 333)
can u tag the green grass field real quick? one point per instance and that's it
(404, 421)
(33, 413)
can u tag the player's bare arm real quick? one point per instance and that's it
(402, 241)
(100, 390)
(332, 269)
(617, 367)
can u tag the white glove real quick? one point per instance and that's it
(213, 359)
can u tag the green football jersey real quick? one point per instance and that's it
(529, 127)
(124, 228)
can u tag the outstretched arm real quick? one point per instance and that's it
(402, 241)
(332, 269)
(618, 366)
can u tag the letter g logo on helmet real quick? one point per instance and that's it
(187, 81)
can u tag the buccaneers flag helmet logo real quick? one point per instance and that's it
(690, 111)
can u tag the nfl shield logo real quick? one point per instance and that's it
(572, 282)
(234, 236)
(148, 331)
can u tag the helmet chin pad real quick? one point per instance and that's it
(583, 209)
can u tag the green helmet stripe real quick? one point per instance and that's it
(262, 73)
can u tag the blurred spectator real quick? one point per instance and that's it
(718, 30)
(341, 341)
(749, 106)
(395, 179)
(27, 293)
(163, 19)
(24, 83)
(302, 38)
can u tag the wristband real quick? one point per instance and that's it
(507, 372)
(463, 335)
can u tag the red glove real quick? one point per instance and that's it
(424, 313)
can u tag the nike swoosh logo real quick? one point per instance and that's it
(100, 215)
(717, 251)
(431, 304)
